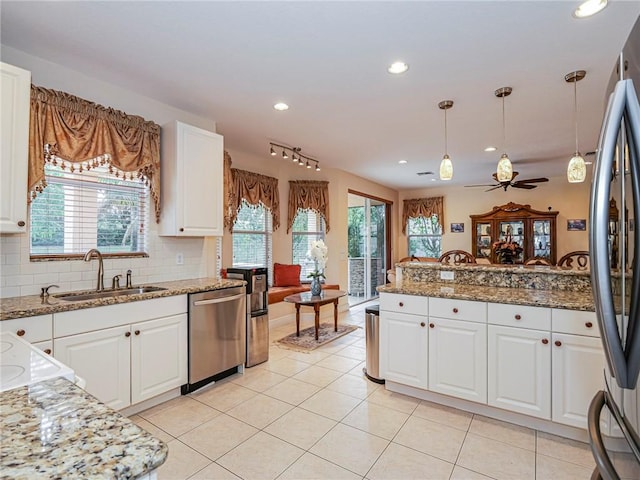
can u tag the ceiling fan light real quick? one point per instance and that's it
(504, 171)
(577, 169)
(446, 168)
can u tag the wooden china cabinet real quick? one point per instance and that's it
(533, 230)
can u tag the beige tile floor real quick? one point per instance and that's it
(315, 416)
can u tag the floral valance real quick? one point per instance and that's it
(308, 195)
(255, 189)
(72, 130)
(422, 207)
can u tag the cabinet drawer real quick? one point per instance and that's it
(458, 309)
(396, 302)
(32, 329)
(574, 321)
(537, 318)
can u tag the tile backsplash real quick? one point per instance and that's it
(19, 276)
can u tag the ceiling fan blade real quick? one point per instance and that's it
(523, 185)
(491, 189)
(533, 180)
(483, 185)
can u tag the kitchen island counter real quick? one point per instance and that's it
(54, 429)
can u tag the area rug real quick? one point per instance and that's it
(307, 339)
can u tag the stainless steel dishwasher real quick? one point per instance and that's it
(217, 335)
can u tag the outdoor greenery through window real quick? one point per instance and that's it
(83, 209)
(425, 236)
(252, 237)
(308, 226)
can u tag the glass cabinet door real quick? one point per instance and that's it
(483, 240)
(513, 231)
(542, 239)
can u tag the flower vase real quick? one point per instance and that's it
(316, 287)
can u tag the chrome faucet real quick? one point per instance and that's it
(87, 258)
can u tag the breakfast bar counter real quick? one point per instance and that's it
(54, 429)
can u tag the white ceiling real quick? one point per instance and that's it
(231, 61)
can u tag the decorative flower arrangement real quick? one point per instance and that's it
(318, 253)
(506, 249)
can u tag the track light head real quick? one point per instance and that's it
(284, 154)
(272, 151)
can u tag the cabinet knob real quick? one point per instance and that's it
(20, 333)
(401, 304)
(588, 324)
(558, 343)
(432, 325)
(21, 223)
(182, 229)
(518, 316)
(137, 332)
(422, 324)
(455, 310)
(127, 334)
(545, 341)
(47, 351)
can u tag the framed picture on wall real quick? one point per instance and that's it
(457, 228)
(577, 225)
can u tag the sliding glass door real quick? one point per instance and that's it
(368, 245)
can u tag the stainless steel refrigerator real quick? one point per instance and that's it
(614, 413)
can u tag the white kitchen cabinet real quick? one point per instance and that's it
(32, 329)
(519, 370)
(404, 348)
(15, 91)
(192, 181)
(458, 358)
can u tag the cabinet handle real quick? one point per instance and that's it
(455, 310)
(127, 334)
(558, 343)
(137, 332)
(182, 229)
(545, 341)
(432, 325)
(588, 324)
(401, 304)
(20, 333)
(422, 324)
(47, 351)
(21, 223)
(518, 317)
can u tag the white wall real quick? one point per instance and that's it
(19, 276)
(570, 200)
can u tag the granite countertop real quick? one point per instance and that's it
(495, 267)
(54, 429)
(517, 296)
(30, 305)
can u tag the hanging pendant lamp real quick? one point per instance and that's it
(446, 167)
(504, 172)
(577, 168)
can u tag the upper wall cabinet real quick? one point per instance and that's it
(15, 85)
(192, 181)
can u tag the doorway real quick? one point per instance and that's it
(369, 245)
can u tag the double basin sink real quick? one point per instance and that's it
(121, 292)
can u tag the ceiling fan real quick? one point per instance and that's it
(526, 184)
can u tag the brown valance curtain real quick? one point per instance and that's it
(308, 195)
(255, 189)
(422, 207)
(70, 129)
(227, 191)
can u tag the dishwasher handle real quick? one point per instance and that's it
(218, 300)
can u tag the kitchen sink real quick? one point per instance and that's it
(121, 292)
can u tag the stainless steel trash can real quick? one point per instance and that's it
(372, 337)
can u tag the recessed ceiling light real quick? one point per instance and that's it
(589, 7)
(398, 67)
(490, 149)
(402, 162)
(281, 106)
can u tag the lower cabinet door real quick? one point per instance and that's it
(102, 358)
(578, 373)
(519, 370)
(158, 356)
(458, 358)
(403, 348)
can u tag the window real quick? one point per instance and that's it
(308, 226)
(82, 209)
(252, 237)
(425, 236)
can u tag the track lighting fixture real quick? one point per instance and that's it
(296, 156)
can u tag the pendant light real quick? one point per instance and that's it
(577, 168)
(504, 172)
(446, 167)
